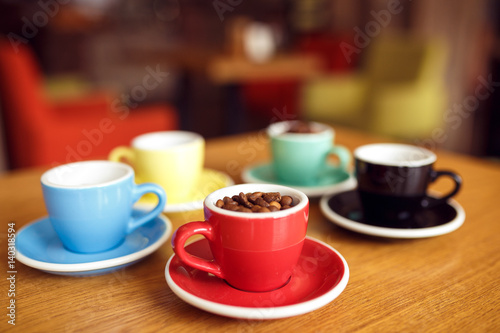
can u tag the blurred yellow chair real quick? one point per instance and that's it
(399, 90)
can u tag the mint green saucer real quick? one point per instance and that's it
(332, 180)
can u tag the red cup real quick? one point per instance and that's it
(252, 251)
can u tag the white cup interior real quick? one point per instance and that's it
(165, 140)
(393, 154)
(86, 174)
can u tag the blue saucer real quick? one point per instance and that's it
(332, 179)
(38, 246)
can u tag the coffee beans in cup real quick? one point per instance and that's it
(256, 202)
(301, 127)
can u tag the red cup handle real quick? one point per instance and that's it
(179, 239)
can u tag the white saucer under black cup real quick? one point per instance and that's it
(344, 209)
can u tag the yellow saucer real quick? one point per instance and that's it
(210, 180)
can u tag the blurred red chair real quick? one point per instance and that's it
(40, 132)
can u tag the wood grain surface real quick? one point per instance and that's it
(449, 283)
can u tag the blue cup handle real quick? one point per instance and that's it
(343, 155)
(138, 192)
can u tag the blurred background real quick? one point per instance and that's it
(78, 77)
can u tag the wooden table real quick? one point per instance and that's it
(227, 69)
(449, 283)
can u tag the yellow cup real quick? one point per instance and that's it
(171, 159)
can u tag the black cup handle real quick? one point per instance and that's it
(429, 202)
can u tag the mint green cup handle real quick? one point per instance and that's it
(138, 192)
(343, 154)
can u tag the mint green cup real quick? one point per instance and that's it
(302, 158)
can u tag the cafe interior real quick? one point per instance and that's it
(225, 216)
(423, 72)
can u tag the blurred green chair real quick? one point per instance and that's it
(399, 90)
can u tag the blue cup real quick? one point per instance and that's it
(90, 204)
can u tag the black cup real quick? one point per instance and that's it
(393, 180)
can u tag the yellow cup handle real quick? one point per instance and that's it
(121, 153)
(125, 155)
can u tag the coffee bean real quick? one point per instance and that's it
(231, 207)
(272, 196)
(286, 200)
(253, 196)
(244, 200)
(256, 208)
(275, 204)
(229, 201)
(261, 202)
